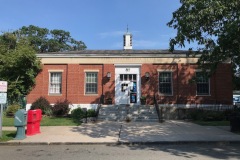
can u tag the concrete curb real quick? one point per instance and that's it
(120, 143)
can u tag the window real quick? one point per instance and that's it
(202, 84)
(91, 83)
(128, 77)
(165, 83)
(55, 86)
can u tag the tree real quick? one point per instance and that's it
(18, 65)
(45, 40)
(214, 25)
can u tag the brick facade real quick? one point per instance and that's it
(184, 92)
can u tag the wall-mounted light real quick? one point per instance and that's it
(108, 75)
(147, 75)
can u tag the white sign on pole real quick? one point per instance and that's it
(3, 98)
(3, 86)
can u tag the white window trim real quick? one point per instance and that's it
(49, 82)
(85, 75)
(209, 86)
(162, 71)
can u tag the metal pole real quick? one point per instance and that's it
(1, 118)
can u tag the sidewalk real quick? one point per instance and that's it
(171, 132)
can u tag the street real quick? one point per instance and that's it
(120, 152)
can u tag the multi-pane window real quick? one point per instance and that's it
(165, 83)
(128, 77)
(55, 85)
(91, 82)
(202, 84)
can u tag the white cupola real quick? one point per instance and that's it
(127, 40)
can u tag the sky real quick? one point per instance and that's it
(100, 24)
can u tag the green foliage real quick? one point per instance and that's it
(45, 40)
(7, 136)
(58, 121)
(46, 121)
(206, 115)
(18, 65)
(12, 109)
(236, 82)
(143, 100)
(61, 108)
(91, 113)
(214, 25)
(77, 114)
(43, 104)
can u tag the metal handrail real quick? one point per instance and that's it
(157, 109)
(98, 107)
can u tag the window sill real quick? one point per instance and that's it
(90, 94)
(204, 95)
(54, 94)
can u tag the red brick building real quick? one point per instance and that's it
(82, 77)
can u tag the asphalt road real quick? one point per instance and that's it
(120, 152)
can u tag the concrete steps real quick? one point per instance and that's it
(137, 113)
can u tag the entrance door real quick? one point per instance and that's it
(128, 90)
(127, 81)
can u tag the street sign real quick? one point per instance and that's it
(3, 98)
(3, 86)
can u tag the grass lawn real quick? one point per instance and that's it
(58, 121)
(212, 123)
(7, 135)
(46, 121)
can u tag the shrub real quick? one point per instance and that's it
(12, 109)
(61, 108)
(77, 114)
(205, 115)
(213, 116)
(143, 100)
(49, 112)
(43, 104)
(194, 114)
(91, 113)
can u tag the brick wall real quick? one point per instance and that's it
(184, 92)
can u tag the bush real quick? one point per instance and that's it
(91, 113)
(12, 109)
(61, 108)
(77, 114)
(215, 116)
(194, 114)
(206, 115)
(43, 104)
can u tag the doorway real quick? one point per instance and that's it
(127, 84)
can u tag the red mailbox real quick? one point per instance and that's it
(38, 120)
(31, 122)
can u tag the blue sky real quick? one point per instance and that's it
(99, 23)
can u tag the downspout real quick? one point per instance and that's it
(215, 87)
(177, 86)
(66, 83)
(102, 99)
